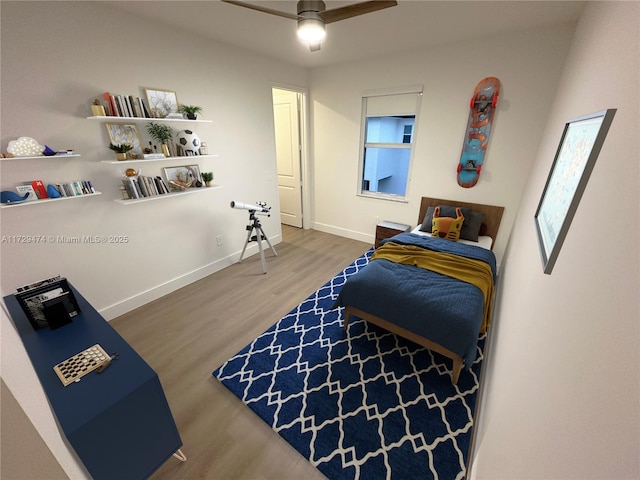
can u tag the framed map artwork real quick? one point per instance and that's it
(575, 158)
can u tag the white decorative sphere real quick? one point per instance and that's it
(189, 142)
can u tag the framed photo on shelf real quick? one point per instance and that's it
(161, 102)
(580, 145)
(183, 177)
(125, 133)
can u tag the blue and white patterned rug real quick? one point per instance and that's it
(368, 405)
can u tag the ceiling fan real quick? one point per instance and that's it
(313, 15)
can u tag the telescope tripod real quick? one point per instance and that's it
(258, 237)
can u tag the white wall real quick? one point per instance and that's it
(562, 394)
(528, 65)
(56, 57)
(554, 388)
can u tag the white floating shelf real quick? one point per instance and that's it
(144, 119)
(43, 157)
(149, 160)
(131, 201)
(47, 200)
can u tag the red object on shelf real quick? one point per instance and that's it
(40, 189)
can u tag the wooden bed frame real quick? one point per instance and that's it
(492, 219)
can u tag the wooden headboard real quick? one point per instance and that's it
(492, 214)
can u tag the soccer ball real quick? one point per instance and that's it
(189, 142)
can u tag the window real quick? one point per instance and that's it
(388, 137)
(406, 136)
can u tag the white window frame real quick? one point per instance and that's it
(413, 89)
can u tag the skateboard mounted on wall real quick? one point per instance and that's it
(483, 106)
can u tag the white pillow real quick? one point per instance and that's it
(483, 241)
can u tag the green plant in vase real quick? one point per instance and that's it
(121, 149)
(207, 178)
(161, 133)
(191, 111)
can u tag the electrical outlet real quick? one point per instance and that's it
(219, 240)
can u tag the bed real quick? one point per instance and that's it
(409, 287)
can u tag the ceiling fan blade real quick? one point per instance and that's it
(354, 10)
(260, 8)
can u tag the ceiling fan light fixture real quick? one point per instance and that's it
(311, 29)
(312, 15)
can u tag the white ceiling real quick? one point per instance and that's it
(411, 25)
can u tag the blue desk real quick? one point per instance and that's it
(118, 421)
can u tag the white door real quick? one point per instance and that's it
(287, 132)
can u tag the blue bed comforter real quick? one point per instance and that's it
(440, 308)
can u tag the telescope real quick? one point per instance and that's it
(255, 226)
(260, 207)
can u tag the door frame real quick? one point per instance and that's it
(305, 170)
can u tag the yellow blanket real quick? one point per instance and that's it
(471, 271)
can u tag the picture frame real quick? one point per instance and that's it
(161, 102)
(182, 177)
(580, 145)
(125, 133)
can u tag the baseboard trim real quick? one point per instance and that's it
(343, 232)
(151, 294)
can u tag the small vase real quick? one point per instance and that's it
(165, 150)
(192, 116)
(121, 156)
(208, 184)
(98, 111)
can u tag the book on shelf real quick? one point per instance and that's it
(68, 190)
(152, 185)
(74, 189)
(143, 186)
(135, 104)
(125, 106)
(121, 110)
(118, 103)
(153, 156)
(27, 188)
(110, 105)
(131, 187)
(40, 189)
(162, 186)
(145, 109)
(65, 189)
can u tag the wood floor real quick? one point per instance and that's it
(184, 336)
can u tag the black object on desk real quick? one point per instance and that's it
(118, 421)
(49, 303)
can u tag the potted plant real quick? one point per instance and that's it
(191, 111)
(161, 133)
(207, 178)
(121, 150)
